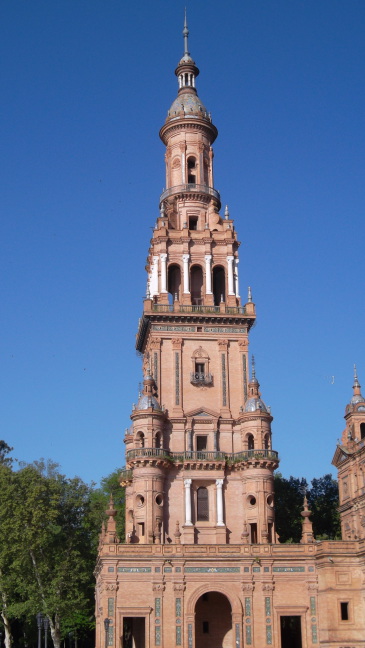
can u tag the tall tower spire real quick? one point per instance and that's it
(186, 35)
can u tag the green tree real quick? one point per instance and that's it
(47, 555)
(289, 496)
(323, 503)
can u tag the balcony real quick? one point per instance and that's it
(202, 455)
(201, 308)
(190, 188)
(197, 378)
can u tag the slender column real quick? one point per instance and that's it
(208, 275)
(237, 288)
(163, 258)
(187, 484)
(230, 275)
(186, 258)
(215, 440)
(219, 485)
(190, 440)
(153, 277)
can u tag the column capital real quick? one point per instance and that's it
(187, 483)
(163, 256)
(219, 483)
(208, 258)
(186, 257)
(230, 259)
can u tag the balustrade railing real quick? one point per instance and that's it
(190, 187)
(197, 378)
(200, 308)
(202, 455)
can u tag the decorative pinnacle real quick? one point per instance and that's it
(226, 213)
(356, 380)
(249, 296)
(186, 34)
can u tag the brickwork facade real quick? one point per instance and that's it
(201, 565)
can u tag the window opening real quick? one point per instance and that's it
(253, 533)
(174, 282)
(141, 530)
(250, 442)
(202, 504)
(201, 443)
(191, 170)
(362, 430)
(193, 222)
(344, 611)
(196, 284)
(158, 440)
(219, 285)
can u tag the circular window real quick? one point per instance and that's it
(251, 500)
(140, 500)
(159, 500)
(270, 500)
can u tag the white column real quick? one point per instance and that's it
(153, 278)
(237, 288)
(187, 484)
(186, 258)
(219, 485)
(163, 258)
(230, 275)
(208, 275)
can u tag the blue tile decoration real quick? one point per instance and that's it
(110, 569)
(248, 636)
(313, 605)
(256, 569)
(167, 570)
(190, 635)
(238, 642)
(247, 606)
(314, 634)
(178, 635)
(267, 606)
(288, 569)
(178, 607)
(269, 635)
(157, 607)
(111, 636)
(158, 636)
(212, 570)
(110, 607)
(134, 570)
(178, 570)
(266, 569)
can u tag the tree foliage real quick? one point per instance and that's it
(323, 503)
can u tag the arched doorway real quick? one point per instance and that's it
(213, 621)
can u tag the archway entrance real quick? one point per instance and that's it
(213, 621)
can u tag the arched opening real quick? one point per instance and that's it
(158, 440)
(140, 439)
(213, 621)
(191, 170)
(202, 504)
(196, 283)
(250, 442)
(174, 282)
(362, 430)
(267, 441)
(219, 285)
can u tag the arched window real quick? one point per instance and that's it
(219, 285)
(362, 430)
(196, 282)
(191, 170)
(174, 282)
(202, 513)
(250, 442)
(158, 440)
(267, 442)
(140, 439)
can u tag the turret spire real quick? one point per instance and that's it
(186, 35)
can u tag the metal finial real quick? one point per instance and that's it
(253, 364)
(249, 296)
(226, 213)
(186, 34)
(356, 379)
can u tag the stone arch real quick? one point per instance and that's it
(233, 599)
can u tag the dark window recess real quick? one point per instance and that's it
(193, 220)
(202, 505)
(344, 611)
(205, 597)
(205, 627)
(253, 533)
(201, 443)
(199, 367)
(362, 430)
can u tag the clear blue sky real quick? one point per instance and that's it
(86, 85)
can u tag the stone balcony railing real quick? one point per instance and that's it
(191, 187)
(203, 455)
(200, 308)
(198, 378)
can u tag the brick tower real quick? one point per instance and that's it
(201, 565)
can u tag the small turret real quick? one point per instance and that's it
(307, 527)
